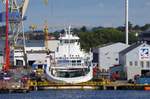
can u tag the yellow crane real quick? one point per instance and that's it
(45, 29)
(46, 2)
(33, 27)
(46, 37)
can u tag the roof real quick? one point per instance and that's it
(133, 46)
(109, 44)
(104, 45)
(147, 31)
(145, 36)
(39, 52)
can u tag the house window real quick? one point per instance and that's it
(147, 64)
(136, 63)
(142, 64)
(130, 63)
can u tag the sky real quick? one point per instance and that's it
(108, 13)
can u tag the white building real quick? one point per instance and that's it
(135, 60)
(53, 44)
(35, 51)
(108, 55)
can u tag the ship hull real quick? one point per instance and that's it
(78, 79)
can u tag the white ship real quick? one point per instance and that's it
(69, 63)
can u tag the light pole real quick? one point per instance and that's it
(126, 21)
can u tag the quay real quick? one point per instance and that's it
(88, 85)
(13, 87)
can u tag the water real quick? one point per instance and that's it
(79, 94)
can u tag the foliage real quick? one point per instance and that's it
(100, 36)
(94, 37)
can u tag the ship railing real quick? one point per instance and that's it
(68, 66)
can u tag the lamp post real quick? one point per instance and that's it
(126, 21)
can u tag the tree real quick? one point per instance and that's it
(83, 29)
(132, 37)
(130, 25)
(145, 27)
(96, 28)
(137, 27)
(121, 28)
(101, 36)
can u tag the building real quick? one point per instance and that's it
(53, 44)
(135, 60)
(35, 51)
(108, 55)
(145, 36)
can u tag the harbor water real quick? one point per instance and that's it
(78, 94)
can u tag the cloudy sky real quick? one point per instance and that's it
(60, 13)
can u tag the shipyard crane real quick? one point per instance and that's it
(7, 50)
(46, 34)
(46, 2)
(32, 27)
(46, 29)
(15, 15)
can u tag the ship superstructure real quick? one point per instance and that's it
(69, 63)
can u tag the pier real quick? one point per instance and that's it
(13, 87)
(88, 85)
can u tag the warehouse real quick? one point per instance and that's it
(108, 55)
(135, 60)
(35, 51)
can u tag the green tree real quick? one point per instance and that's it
(100, 36)
(145, 27)
(132, 37)
(83, 29)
